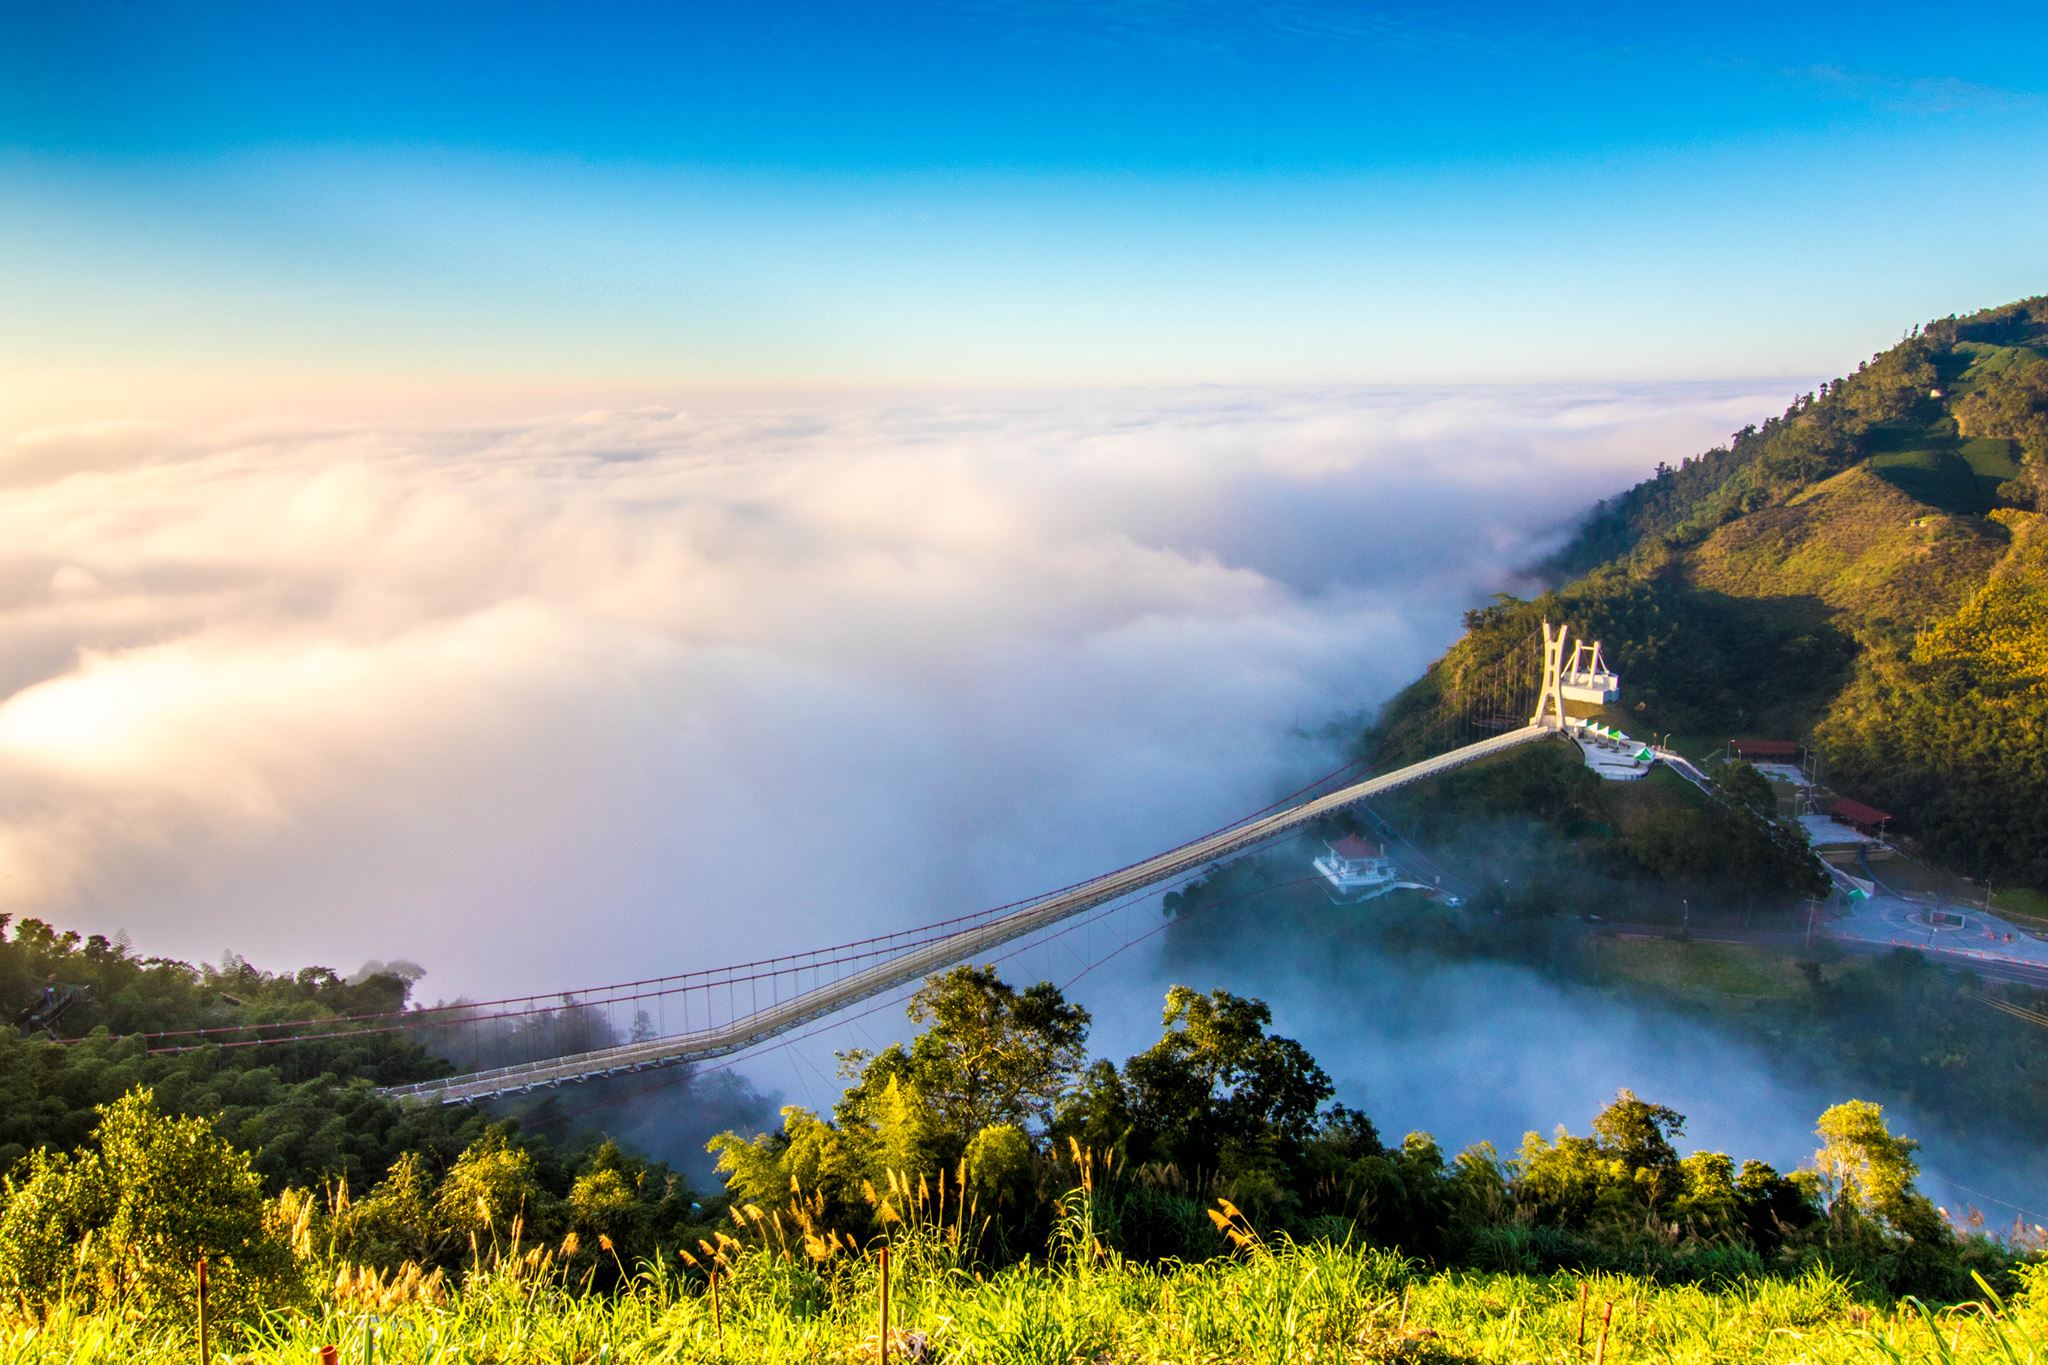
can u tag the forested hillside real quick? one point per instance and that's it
(406, 1177)
(307, 1110)
(981, 1133)
(1867, 570)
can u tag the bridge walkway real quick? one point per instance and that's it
(757, 1027)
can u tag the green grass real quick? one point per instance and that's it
(1700, 748)
(1984, 360)
(2022, 905)
(1950, 479)
(1991, 457)
(1694, 973)
(1272, 1303)
(1875, 542)
(1658, 791)
(1903, 874)
(1935, 466)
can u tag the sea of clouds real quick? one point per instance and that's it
(547, 703)
(550, 702)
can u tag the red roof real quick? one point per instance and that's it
(1351, 846)
(1765, 748)
(1856, 813)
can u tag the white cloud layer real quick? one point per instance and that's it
(561, 701)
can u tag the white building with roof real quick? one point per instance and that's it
(1357, 868)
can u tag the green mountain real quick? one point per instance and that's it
(1867, 571)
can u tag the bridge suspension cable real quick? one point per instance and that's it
(474, 1012)
(568, 1036)
(742, 1029)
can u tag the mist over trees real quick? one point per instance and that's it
(1221, 1108)
(995, 1108)
(1870, 568)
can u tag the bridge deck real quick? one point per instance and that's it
(920, 961)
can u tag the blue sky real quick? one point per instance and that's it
(288, 198)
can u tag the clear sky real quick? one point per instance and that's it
(252, 204)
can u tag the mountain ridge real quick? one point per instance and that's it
(1866, 572)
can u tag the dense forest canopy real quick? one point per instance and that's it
(263, 1155)
(1223, 1108)
(1221, 1132)
(406, 1181)
(307, 1111)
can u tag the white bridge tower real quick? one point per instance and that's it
(1550, 701)
(1584, 677)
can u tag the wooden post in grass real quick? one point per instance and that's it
(1600, 1349)
(204, 1354)
(717, 1325)
(330, 1355)
(1580, 1346)
(883, 1348)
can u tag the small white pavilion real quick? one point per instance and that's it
(1356, 868)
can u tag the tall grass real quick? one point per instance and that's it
(1269, 1301)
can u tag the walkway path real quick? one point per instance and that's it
(763, 1024)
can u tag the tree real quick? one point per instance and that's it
(992, 1065)
(1742, 784)
(1626, 1171)
(123, 1223)
(1638, 1133)
(492, 1192)
(1863, 1167)
(1875, 1216)
(1560, 1181)
(997, 1167)
(992, 1055)
(1772, 1206)
(1708, 1204)
(809, 1156)
(1217, 1078)
(2011, 403)
(395, 1221)
(1097, 1113)
(306, 1114)
(605, 1199)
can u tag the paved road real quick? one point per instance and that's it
(1890, 919)
(1981, 941)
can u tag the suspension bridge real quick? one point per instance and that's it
(701, 1016)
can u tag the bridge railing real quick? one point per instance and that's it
(920, 959)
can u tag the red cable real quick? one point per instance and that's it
(706, 977)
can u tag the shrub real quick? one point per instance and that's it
(122, 1223)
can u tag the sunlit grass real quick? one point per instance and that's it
(1269, 1302)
